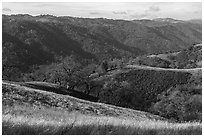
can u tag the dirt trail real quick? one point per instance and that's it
(157, 68)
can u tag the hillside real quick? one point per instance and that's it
(68, 75)
(142, 87)
(184, 59)
(193, 71)
(22, 94)
(28, 111)
(30, 41)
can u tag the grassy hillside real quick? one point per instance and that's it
(184, 59)
(29, 111)
(15, 93)
(19, 121)
(192, 71)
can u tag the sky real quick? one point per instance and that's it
(111, 10)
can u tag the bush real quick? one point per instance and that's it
(181, 103)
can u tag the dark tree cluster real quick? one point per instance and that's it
(181, 103)
(139, 88)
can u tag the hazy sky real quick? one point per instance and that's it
(121, 10)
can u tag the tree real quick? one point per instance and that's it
(85, 80)
(104, 66)
(182, 59)
(62, 73)
(69, 68)
(182, 103)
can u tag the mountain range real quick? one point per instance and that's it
(36, 40)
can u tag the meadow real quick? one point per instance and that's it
(24, 120)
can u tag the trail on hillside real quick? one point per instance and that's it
(157, 68)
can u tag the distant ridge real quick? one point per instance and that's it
(29, 41)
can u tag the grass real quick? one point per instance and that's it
(27, 120)
(28, 111)
(192, 70)
(13, 93)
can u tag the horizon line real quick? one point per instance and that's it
(98, 17)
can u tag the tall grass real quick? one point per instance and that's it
(42, 121)
(32, 112)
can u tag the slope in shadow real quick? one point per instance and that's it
(59, 90)
(58, 41)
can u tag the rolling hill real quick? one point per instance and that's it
(144, 87)
(29, 41)
(184, 59)
(21, 93)
(29, 111)
(67, 75)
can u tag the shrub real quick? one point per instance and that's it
(182, 103)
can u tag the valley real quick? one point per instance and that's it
(66, 75)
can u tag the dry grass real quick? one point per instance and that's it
(193, 70)
(36, 112)
(21, 120)
(17, 94)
